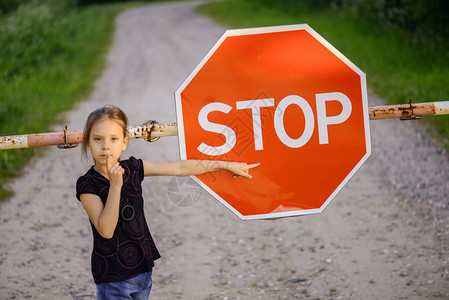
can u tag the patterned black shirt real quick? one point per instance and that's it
(131, 251)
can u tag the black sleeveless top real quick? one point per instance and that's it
(131, 251)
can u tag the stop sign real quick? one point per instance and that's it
(284, 97)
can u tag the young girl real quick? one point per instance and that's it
(111, 194)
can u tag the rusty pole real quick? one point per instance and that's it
(409, 111)
(66, 138)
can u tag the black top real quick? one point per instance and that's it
(131, 251)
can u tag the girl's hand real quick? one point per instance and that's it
(115, 173)
(241, 169)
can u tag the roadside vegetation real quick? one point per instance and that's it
(402, 46)
(51, 53)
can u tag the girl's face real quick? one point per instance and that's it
(107, 140)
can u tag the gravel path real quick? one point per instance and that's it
(385, 236)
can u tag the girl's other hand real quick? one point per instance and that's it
(115, 173)
(241, 169)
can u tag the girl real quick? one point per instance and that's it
(111, 194)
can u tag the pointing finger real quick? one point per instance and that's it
(253, 165)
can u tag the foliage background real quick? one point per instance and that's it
(51, 52)
(420, 20)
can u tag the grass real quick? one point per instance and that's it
(50, 56)
(397, 69)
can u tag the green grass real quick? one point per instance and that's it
(397, 69)
(52, 52)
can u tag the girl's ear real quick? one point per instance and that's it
(125, 143)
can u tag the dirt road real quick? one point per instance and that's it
(385, 236)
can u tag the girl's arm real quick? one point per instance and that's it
(105, 217)
(196, 167)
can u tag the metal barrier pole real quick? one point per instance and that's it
(151, 131)
(409, 111)
(67, 139)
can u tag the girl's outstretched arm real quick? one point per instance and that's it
(196, 167)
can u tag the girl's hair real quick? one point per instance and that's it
(108, 112)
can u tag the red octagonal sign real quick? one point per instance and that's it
(284, 97)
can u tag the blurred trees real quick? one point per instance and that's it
(420, 20)
(7, 6)
(88, 2)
